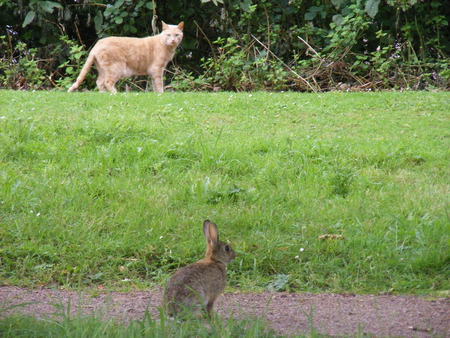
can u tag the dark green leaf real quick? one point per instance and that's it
(49, 6)
(67, 14)
(29, 18)
(337, 19)
(372, 7)
(316, 9)
(337, 3)
(119, 3)
(245, 5)
(310, 15)
(98, 21)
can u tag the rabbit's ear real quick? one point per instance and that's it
(211, 233)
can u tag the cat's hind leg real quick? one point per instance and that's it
(110, 84)
(109, 73)
(101, 82)
(101, 87)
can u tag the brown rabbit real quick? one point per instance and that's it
(198, 285)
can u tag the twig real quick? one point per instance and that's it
(209, 42)
(289, 68)
(322, 60)
(78, 34)
(309, 46)
(268, 26)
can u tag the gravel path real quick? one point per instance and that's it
(331, 314)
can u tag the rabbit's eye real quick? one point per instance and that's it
(227, 248)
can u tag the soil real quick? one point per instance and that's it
(287, 314)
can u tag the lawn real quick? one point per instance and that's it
(333, 192)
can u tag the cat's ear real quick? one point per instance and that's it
(181, 25)
(164, 26)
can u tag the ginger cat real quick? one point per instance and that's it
(119, 57)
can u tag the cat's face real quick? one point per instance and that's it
(172, 34)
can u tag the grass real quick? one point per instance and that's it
(111, 190)
(65, 324)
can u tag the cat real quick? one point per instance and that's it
(120, 57)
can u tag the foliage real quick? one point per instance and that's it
(111, 190)
(235, 68)
(75, 61)
(19, 67)
(37, 10)
(303, 44)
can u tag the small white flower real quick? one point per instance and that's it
(139, 149)
(302, 249)
(38, 214)
(160, 237)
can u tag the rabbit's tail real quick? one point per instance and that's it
(89, 62)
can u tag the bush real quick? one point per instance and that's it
(241, 45)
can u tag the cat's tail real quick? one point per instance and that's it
(90, 60)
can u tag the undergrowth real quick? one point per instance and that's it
(347, 45)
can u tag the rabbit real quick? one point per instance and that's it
(197, 286)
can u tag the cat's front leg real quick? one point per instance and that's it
(157, 80)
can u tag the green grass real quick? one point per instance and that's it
(113, 189)
(65, 324)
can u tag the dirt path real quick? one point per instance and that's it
(331, 314)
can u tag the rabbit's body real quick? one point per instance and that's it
(197, 295)
(197, 286)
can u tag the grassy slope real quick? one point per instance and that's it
(101, 189)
